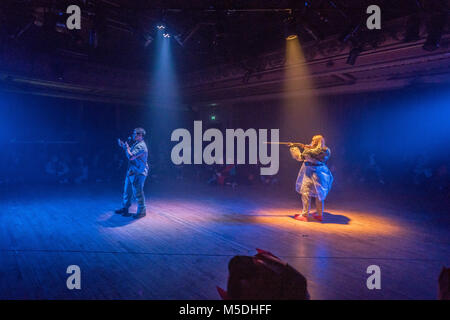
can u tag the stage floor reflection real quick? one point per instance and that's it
(180, 250)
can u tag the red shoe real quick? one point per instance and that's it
(317, 217)
(301, 217)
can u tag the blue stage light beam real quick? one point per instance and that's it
(164, 103)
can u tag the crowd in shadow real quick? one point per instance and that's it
(42, 163)
(76, 164)
(417, 175)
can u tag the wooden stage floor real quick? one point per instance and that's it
(180, 250)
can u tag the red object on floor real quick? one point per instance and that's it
(316, 217)
(301, 218)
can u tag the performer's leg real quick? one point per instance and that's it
(126, 197)
(138, 186)
(306, 202)
(319, 207)
(127, 192)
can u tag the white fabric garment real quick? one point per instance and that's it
(315, 179)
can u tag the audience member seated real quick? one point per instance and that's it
(421, 172)
(57, 170)
(372, 174)
(81, 171)
(269, 180)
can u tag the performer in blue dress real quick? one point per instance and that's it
(314, 178)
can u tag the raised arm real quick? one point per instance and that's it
(296, 154)
(320, 154)
(137, 152)
(314, 152)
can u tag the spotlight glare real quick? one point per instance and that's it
(166, 35)
(290, 28)
(160, 27)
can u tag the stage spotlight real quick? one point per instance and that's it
(290, 28)
(166, 35)
(160, 27)
(435, 28)
(353, 55)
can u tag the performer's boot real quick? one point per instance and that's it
(140, 214)
(122, 210)
(319, 210)
(127, 214)
(139, 192)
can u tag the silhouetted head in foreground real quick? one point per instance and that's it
(263, 277)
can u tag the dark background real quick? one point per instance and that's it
(395, 142)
